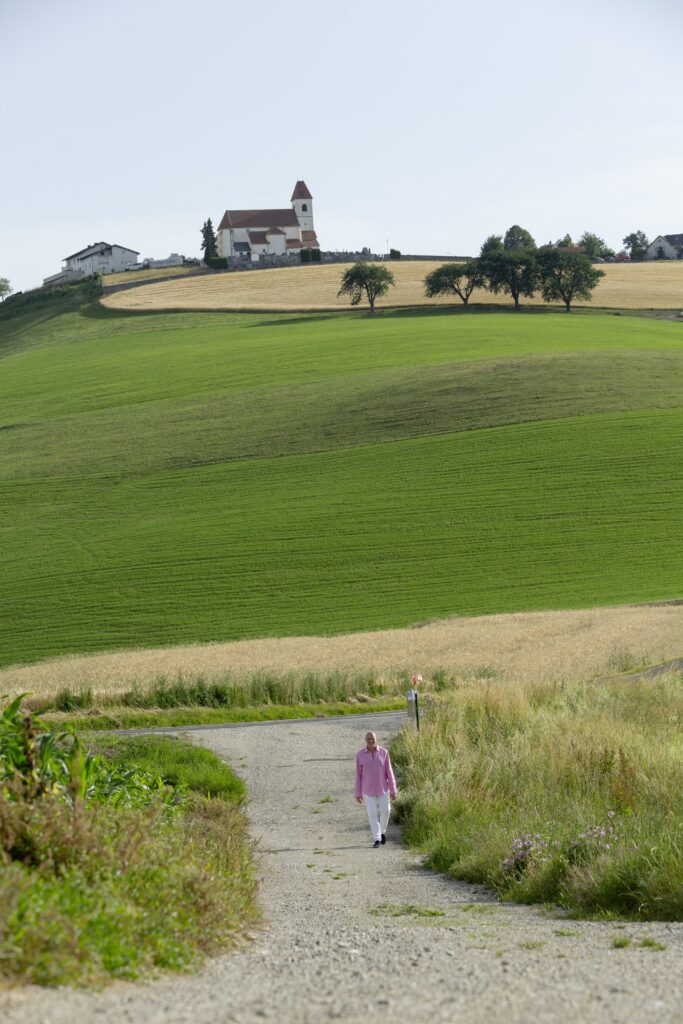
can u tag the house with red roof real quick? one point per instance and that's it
(269, 232)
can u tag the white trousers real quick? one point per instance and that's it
(378, 808)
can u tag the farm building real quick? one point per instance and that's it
(98, 258)
(269, 232)
(665, 247)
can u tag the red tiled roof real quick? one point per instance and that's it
(301, 191)
(258, 219)
(309, 236)
(274, 231)
(293, 243)
(258, 237)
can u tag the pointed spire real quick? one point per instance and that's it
(300, 191)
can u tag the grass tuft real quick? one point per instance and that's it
(404, 910)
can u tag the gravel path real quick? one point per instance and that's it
(326, 953)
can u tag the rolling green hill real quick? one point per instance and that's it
(166, 478)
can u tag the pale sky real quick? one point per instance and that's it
(429, 124)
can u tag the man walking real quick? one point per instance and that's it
(375, 783)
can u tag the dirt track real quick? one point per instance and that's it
(330, 950)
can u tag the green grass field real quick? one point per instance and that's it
(166, 478)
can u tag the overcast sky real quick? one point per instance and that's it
(429, 123)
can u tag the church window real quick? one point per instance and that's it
(304, 208)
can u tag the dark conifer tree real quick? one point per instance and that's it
(208, 241)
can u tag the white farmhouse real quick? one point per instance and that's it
(269, 232)
(98, 258)
(101, 258)
(671, 247)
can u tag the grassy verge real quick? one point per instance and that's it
(126, 718)
(116, 866)
(177, 762)
(193, 699)
(570, 794)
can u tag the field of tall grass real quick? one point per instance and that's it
(168, 479)
(562, 793)
(533, 646)
(649, 285)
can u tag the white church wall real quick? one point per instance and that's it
(277, 244)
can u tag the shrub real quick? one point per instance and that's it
(217, 262)
(394, 254)
(306, 255)
(101, 875)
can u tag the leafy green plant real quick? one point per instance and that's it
(35, 762)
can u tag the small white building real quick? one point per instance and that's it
(269, 232)
(668, 247)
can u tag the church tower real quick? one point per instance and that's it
(302, 201)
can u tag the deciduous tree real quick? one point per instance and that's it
(518, 238)
(5, 288)
(636, 244)
(565, 276)
(368, 278)
(514, 273)
(494, 243)
(455, 279)
(594, 246)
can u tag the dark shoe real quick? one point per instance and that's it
(376, 844)
(384, 839)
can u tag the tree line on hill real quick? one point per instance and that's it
(514, 265)
(511, 264)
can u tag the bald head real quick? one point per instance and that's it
(371, 741)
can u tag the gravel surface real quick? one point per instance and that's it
(330, 949)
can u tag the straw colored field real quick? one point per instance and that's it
(650, 285)
(154, 273)
(535, 646)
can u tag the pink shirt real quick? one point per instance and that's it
(374, 776)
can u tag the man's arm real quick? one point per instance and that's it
(359, 780)
(389, 776)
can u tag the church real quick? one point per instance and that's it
(269, 232)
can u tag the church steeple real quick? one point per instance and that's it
(302, 202)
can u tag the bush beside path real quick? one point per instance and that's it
(352, 933)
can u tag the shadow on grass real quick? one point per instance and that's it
(417, 312)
